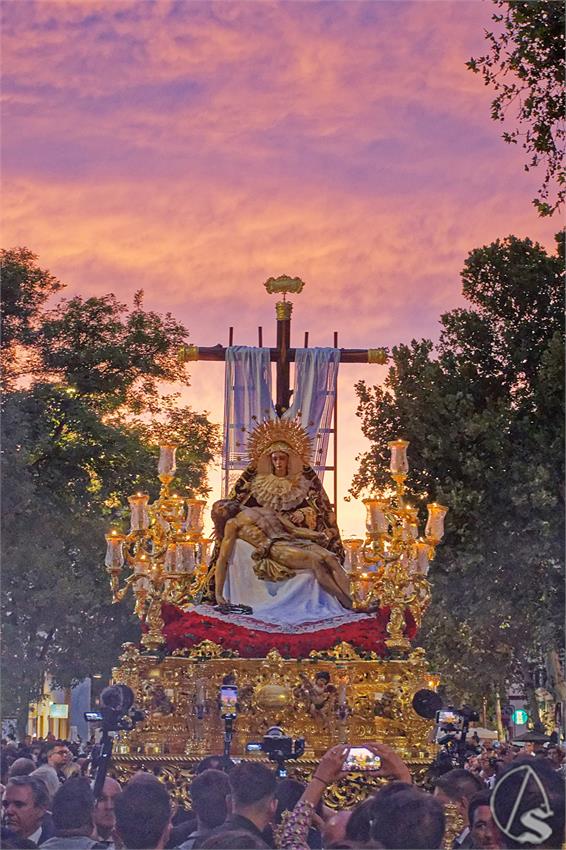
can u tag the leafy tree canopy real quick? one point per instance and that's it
(483, 411)
(525, 65)
(79, 438)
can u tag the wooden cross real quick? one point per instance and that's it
(283, 355)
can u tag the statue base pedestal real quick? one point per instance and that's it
(360, 698)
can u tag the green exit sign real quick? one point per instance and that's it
(520, 716)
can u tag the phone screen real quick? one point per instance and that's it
(228, 701)
(447, 717)
(360, 758)
(93, 716)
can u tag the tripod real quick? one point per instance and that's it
(228, 735)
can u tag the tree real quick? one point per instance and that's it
(484, 414)
(25, 289)
(525, 66)
(76, 442)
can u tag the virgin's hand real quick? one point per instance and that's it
(297, 517)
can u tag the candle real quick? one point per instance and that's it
(423, 557)
(435, 525)
(140, 570)
(399, 464)
(167, 463)
(376, 520)
(139, 515)
(195, 516)
(171, 558)
(114, 550)
(353, 548)
(185, 557)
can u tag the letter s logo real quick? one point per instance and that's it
(532, 821)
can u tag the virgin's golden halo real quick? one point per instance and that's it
(280, 431)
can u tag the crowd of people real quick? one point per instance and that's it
(503, 797)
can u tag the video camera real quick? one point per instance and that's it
(116, 714)
(452, 728)
(278, 748)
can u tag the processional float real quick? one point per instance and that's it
(336, 676)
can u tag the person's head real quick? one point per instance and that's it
(209, 792)
(25, 802)
(482, 826)
(215, 763)
(21, 767)
(527, 804)
(322, 678)
(488, 763)
(280, 463)
(73, 807)
(334, 827)
(408, 819)
(104, 815)
(143, 815)
(36, 753)
(233, 840)
(221, 512)
(253, 792)
(556, 755)
(359, 822)
(458, 786)
(56, 754)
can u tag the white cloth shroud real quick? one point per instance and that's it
(295, 601)
(248, 400)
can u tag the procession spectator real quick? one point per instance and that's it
(488, 765)
(252, 788)
(359, 823)
(25, 805)
(50, 772)
(483, 831)
(104, 812)
(73, 817)
(459, 786)
(143, 815)
(21, 767)
(209, 793)
(524, 817)
(287, 794)
(409, 819)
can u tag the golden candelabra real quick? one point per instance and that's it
(390, 566)
(165, 551)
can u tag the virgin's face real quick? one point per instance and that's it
(280, 463)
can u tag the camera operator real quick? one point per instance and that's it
(488, 768)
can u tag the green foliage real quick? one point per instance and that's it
(25, 289)
(75, 443)
(484, 413)
(525, 66)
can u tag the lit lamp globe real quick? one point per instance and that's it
(273, 695)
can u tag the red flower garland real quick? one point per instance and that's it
(186, 629)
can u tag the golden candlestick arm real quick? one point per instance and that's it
(165, 552)
(393, 567)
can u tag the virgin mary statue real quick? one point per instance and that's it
(278, 545)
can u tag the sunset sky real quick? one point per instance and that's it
(195, 149)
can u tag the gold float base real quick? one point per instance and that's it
(367, 700)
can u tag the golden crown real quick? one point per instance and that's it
(279, 431)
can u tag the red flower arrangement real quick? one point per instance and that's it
(187, 629)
